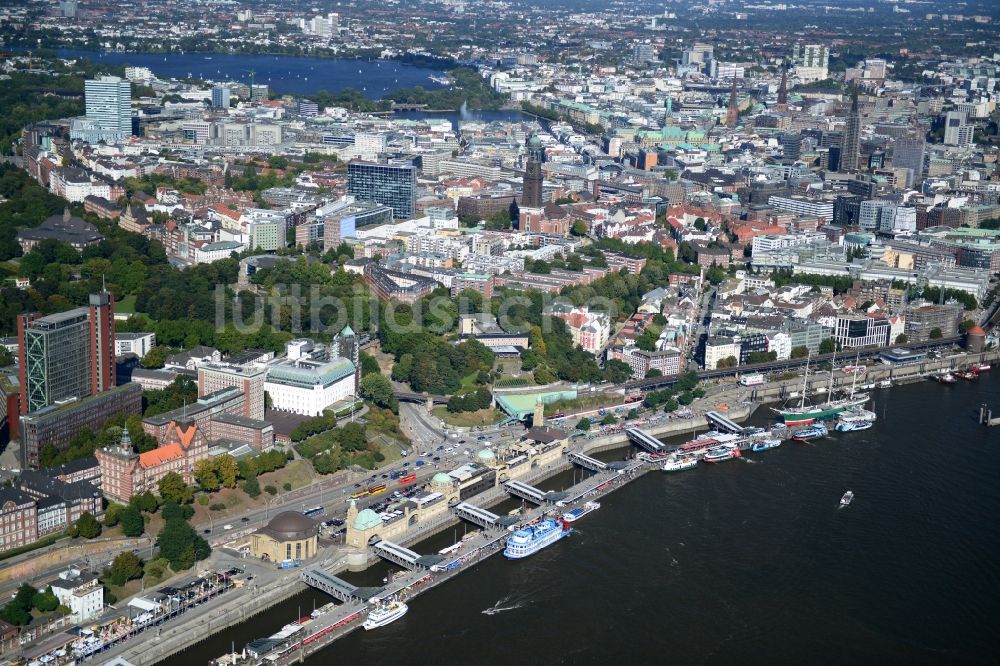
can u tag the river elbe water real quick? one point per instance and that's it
(750, 561)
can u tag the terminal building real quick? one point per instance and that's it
(288, 536)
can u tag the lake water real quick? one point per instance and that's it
(284, 74)
(748, 562)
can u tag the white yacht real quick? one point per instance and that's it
(385, 614)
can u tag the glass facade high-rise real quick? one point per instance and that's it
(56, 358)
(220, 97)
(67, 355)
(109, 106)
(392, 184)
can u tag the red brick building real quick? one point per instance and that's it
(125, 473)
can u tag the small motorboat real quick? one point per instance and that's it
(847, 498)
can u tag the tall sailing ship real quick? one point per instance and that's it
(804, 414)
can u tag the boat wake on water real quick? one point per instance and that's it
(499, 606)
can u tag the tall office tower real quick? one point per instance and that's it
(783, 90)
(643, 53)
(109, 104)
(956, 131)
(733, 112)
(392, 184)
(850, 155)
(531, 194)
(68, 8)
(791, 145)
(908, 153)
(66, 355)
(220, 97)
(102, 342)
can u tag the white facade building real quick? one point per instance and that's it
(134, 343)
(81, 592)
(303, 385)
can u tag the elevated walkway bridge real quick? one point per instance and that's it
(723, 423)
(404, 557)
(587, 462)
(530, 493)
(338, 588)
(644, 440)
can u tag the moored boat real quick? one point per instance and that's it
(385, 614)
(945, 378)
(850, 426)
(580, 512)
(532, 538)
(979, 367)
(679, 463)
(765, 444)
(721, 453)
(967, 375)
(815, 431)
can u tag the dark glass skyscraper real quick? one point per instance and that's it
(392, 184)
(67, 355)
(850, 149)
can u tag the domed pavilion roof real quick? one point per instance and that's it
(290, 526)
(366, 520)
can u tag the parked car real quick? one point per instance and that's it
(227, 527)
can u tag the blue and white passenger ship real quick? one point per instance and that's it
(532, 538)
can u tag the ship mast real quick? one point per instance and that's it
(833, 367)
(805, 381)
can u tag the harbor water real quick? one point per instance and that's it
(749, 561)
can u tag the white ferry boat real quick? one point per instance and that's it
(679, 464)
(386, 614)
(532, 538)
(580, 512)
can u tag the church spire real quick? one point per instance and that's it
(733, 112)
(783, 90)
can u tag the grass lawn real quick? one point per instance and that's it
(468, 419)
(389, 448)
(126, 305)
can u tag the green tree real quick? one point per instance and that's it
(653, 372)
(583, 424)
(579, 228)
(377, 388)
(715, 274)
(966, 325)
(206, 475)
(827, 346)
(46, 601)
(369, 365)
(617, 371)
(155, 357)
(173, 487)
(727, 362)
(935, 334)
(113, 514)
(87, 526)
(181, 546)
(609, 419)
(800, 352)
(6, 358)
(125, 567)
(252, 487)
(902, 339)
(228, 470)
(132, 522)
